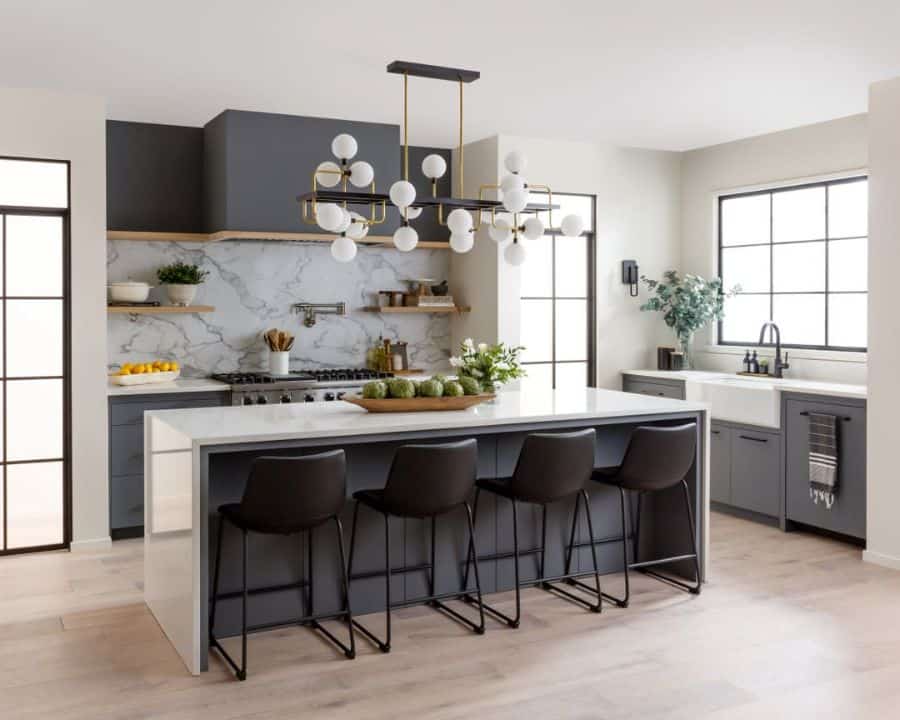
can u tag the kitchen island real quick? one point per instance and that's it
(197, 459)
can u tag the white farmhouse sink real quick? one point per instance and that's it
(753, 401)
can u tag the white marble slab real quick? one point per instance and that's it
(181, 385)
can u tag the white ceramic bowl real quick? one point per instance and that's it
(129, 291)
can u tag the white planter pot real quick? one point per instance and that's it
(181, 294)
(279, 362)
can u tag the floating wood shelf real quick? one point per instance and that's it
(158, 309)
(223, 235)
(419, 309)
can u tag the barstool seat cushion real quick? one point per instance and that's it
(234, 513)
(500, 486)
(374, 498)
(608, 475)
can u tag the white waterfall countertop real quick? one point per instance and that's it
(263, 423)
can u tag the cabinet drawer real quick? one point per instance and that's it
(126, 501)
(131, 411)
(848, 514)
(720, 463)
(126, 450)
(669, 390)
(755, 476)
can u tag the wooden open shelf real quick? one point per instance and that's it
(419, 309)
(158, 309)
(223, 235)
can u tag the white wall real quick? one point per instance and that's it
(37, 123)
(883, 488)
(812, 151)
(638, 196)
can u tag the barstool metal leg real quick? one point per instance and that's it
(349, 651)
(239, 671)
(242, 674)
(574, 582)
(216, 570)
(385, 646)
(469, 552)
(621, 602)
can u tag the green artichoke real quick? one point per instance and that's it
(470, 385)
(401, 388)
(431, 388)
(375, 390)
(453, 389)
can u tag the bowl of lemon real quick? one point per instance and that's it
(143, 373)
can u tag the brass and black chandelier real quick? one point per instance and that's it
(509, 219)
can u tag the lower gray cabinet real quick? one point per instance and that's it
(744, 468)
(848, 514)
(719, 463)
(660, 387)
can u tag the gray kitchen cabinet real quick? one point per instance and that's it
(755, 474)
(659, 387)
(848, 514)
(126, 452)
(719, 463)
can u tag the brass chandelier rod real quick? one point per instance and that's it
(462, 193)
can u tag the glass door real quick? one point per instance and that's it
(34, 357)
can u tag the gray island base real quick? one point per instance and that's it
(197, 459)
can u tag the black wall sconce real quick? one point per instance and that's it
(630, 276)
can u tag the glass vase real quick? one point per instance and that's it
(685, 345)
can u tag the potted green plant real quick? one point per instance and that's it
(181, 281)
(489, 365)
(688, 303)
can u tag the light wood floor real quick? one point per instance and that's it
(789, 626)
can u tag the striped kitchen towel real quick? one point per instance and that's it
(823, 458)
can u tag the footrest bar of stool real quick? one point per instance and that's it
(618, 602)
(661, 561)
(316, 625)
(554, 588)
(371, 637)
(223, 653)
(693, 589)
(496, 614)
(475, 627)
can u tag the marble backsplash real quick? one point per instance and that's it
(252, 286)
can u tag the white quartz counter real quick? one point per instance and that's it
(788, 384)
(181, 385)
(263, 423)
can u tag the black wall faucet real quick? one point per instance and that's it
(781, 364)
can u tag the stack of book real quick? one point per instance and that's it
(431, 301)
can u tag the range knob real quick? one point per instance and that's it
(247, 400)
(286, 397)
(340, 396)
(261, 400)
(329, 396)
(308, 398)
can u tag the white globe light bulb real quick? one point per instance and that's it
(361, 173)
(501, 230)
(329, 216)
(462, 242)
(344, 222)
(405, 238)
(330, 178)
(515, 201)
(358, 227)
(403, 194)
(534, 228)
(344, 146)
(514, 254)
(343, 249)
(459, 221)
(434, 166)
(512, 182)
(412, 213)
(572, 225)
(515, 162)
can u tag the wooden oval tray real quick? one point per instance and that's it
(418, 404)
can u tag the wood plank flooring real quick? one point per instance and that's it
(789, 626)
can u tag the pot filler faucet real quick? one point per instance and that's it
(781, 364)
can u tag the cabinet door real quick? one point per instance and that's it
(673, 390)
(848, 514)
(720, 463)
(755, 476)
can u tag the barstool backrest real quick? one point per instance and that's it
(428, 480)
(552, 466)
(288, 494)
(658, 457)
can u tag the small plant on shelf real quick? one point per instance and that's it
(181, 281)
(489, 365)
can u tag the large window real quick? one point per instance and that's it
(557, 307)
(799, 255)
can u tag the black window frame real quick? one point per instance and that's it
(591, 270)
(771, 192)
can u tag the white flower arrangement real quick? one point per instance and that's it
(490, 365)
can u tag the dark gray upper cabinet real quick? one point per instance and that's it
(256, 164)
(154, 177)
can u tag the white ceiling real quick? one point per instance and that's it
(671, 74)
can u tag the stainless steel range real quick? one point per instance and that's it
(299, 386)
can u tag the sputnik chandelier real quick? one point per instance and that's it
(510, 218)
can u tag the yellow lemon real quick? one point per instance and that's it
(124, 371)
(173, 365)
(141, 369)
(165, 367)
(126, 366)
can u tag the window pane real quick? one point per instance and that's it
(34, 420)
(798, 268)
(571, 375)
(539, 377)
(848, 264)
(744, 316)
(537, 270)
(745, 220)
(798, 215)
(536, 332)
(34, 504)
(34, 251)
(801, 318)
(747, 267)
(34, 338)
(571, 267)
(571, 329)
(33, 183)
(848, 209)
(847, 320)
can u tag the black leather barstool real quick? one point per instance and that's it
(285, 496)
(657, 458)
(425, 481)
(551, 467)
